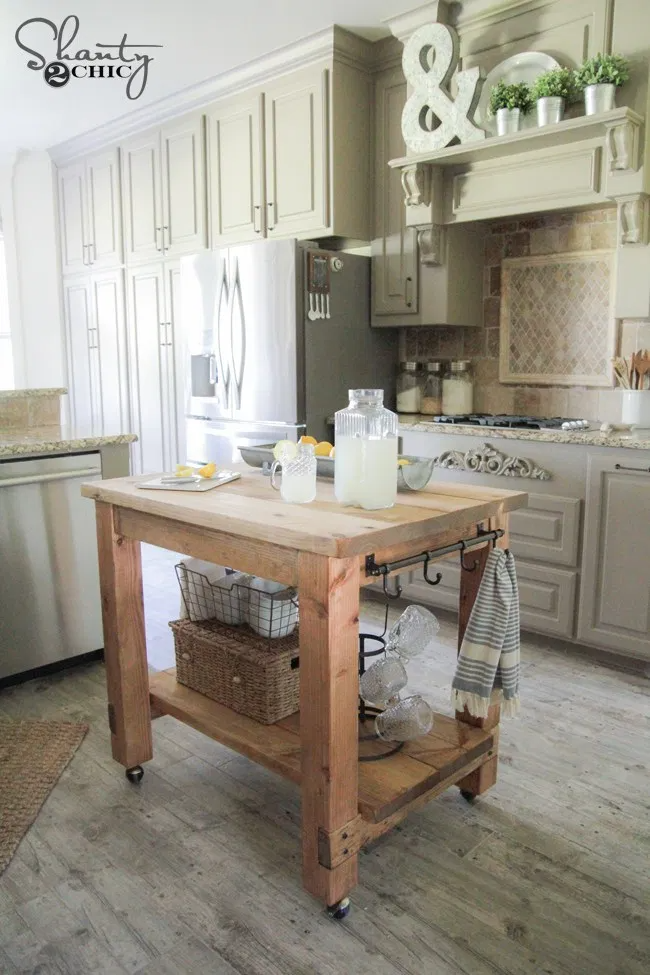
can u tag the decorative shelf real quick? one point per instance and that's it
(387, 788)
(620, 128)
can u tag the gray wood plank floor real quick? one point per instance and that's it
(197, 870)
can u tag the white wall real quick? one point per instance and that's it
(29, 219)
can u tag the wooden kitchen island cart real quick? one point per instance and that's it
(323, 549)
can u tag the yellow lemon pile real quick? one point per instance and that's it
(321, 449)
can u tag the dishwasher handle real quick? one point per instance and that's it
(45, 478)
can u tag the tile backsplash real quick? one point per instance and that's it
(552, 233)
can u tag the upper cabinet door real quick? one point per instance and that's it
(104, 217)
(111, 393)
(297, 154)
(183, 186)
(235, 171)
(72, 218)
(394, 245)
(615, 586)
(147, 358)
(80, 342)
(142, 197)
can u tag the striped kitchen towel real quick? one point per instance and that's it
(487, 671)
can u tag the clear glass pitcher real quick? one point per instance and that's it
(365, 462)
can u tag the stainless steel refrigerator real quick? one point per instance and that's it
(276, 333)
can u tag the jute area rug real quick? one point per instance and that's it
(33, 754)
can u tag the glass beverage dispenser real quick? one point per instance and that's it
(365, 464)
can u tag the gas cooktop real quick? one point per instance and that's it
(514, 422)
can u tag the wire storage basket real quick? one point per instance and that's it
(238, 668)
(268, 608)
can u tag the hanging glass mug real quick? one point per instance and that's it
(298, 485)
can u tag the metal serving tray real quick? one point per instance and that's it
(412, 478)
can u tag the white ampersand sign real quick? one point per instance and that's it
(429, 60)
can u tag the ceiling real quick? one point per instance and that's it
(199, 38)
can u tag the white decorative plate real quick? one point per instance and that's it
(526, 66)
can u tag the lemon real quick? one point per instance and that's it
(323, 449)
(312, 440)
(333, 452)
(285, 450)
(403, 462)
(208, 470)
(182, 470)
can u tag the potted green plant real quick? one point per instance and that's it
(551, 91)
(508, 103)
(599, 77)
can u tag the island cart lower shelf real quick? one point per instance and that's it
(387, 789)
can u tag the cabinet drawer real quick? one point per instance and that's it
(547, 599)
(546, 595)
(547, 530)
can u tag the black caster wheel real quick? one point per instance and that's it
(340, 910)
(135, 774)
(467, 796)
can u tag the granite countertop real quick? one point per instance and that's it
(588, 438)
(32, 393)
(52, 440)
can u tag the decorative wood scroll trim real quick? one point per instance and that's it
(488, 460)
(431, 244)
(633, 218)
(416, 183)
(623, 146)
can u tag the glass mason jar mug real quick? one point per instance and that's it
(365, 465)
(298, 468)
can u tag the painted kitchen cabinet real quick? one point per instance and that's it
(395, 264)
(420, 276)
(163, 177)
(155, 354)
(97, 354)
(292, 158)
(297, 155)
(615, 597)
(235, 162)
(89, 213)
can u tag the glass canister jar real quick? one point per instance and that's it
(431, 403)
(365, 461)
(409, 387)
(458, 389)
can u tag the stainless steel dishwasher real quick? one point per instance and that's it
(50, 606)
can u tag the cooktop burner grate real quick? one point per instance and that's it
(514, 422)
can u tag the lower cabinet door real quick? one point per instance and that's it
(546, 594)
(615, 588)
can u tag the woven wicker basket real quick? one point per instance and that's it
(239, 668)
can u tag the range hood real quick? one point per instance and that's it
(584, 161)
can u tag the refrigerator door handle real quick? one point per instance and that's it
(212, 378)
(224, 367)
(237, 306)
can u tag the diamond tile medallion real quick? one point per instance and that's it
(557, 322)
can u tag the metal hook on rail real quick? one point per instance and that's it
(397, 592)
(425, 570)
(466, 568)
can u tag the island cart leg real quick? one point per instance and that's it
(329, 688)
(127, 680)
(485, 776)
